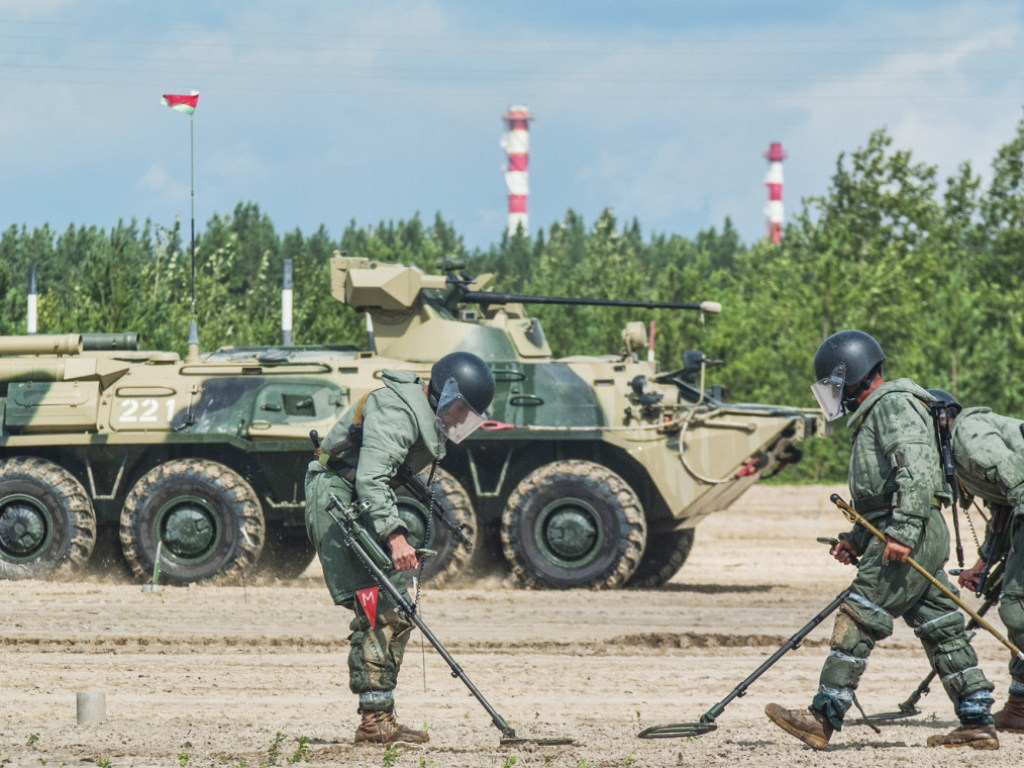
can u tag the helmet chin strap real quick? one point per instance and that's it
(851, 400)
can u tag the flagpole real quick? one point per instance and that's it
(193, 326)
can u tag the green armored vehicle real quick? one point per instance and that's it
(592, 471)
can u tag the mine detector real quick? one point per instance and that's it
(592, 471)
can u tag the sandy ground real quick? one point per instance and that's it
(209, 676)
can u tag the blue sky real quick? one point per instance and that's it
(326, 111)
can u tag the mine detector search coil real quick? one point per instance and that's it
(364, 546)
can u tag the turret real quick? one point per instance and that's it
(417, 316)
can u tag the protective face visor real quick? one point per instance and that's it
(829, 392)
(455, 418)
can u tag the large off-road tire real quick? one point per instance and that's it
(207, 516)
(452, 557)
(663, 558)
(573, 524)
(47, 522)
(287, 552)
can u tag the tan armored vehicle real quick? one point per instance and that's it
(592, 472)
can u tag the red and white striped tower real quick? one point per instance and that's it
(516, 142)
(773, 181)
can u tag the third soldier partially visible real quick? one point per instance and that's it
(988, 454)
(897, 484)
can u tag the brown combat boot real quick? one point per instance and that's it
(1011, 717)
(973, 736)
(810, 727)
(375, 728)
(410, 735)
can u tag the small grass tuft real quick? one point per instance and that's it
(391, 754)
(301, 754)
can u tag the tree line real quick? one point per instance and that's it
(931, 268)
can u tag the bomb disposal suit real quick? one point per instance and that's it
(988, 452)
(403, 422)
(897, 485)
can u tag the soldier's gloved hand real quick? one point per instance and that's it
(968, 579)
(402, 554)
(895, 552)
(843, 551)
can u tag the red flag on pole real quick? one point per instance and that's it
(181, 102)
(368, 599)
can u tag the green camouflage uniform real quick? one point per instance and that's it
(398, 426)
(897, 485)
(988, 450)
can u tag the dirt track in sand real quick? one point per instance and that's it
(209, 675)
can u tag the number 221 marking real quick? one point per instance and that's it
(144, 410)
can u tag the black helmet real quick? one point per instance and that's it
(942, 397)
(845, 359)
(856, 349)
(475, 380)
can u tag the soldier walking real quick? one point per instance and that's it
(896, 483)
(404, 421)
(988, 455)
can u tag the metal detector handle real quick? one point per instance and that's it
(354, 542)
(833, 542)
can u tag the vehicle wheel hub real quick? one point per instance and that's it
(569, 532)
(187, 529)
(23, 527)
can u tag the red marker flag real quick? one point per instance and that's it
(368, 599)
(181, 102)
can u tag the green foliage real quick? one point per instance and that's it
(390, 755)
(33, 739)
(183, 758)
(273, 751)
(932, 269)
(301, 754)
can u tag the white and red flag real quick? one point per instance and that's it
(368, 600)
(182, 102)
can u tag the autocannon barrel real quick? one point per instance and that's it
(57, 344)
(489, 297)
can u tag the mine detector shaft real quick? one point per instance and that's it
(574, 428)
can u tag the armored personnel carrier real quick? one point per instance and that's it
(592, 471)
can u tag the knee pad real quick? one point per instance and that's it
(952, 657)
(850, 647)
(873, 620)
(944, 633)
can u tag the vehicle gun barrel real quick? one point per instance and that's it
(55, 344)
(491, 297)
